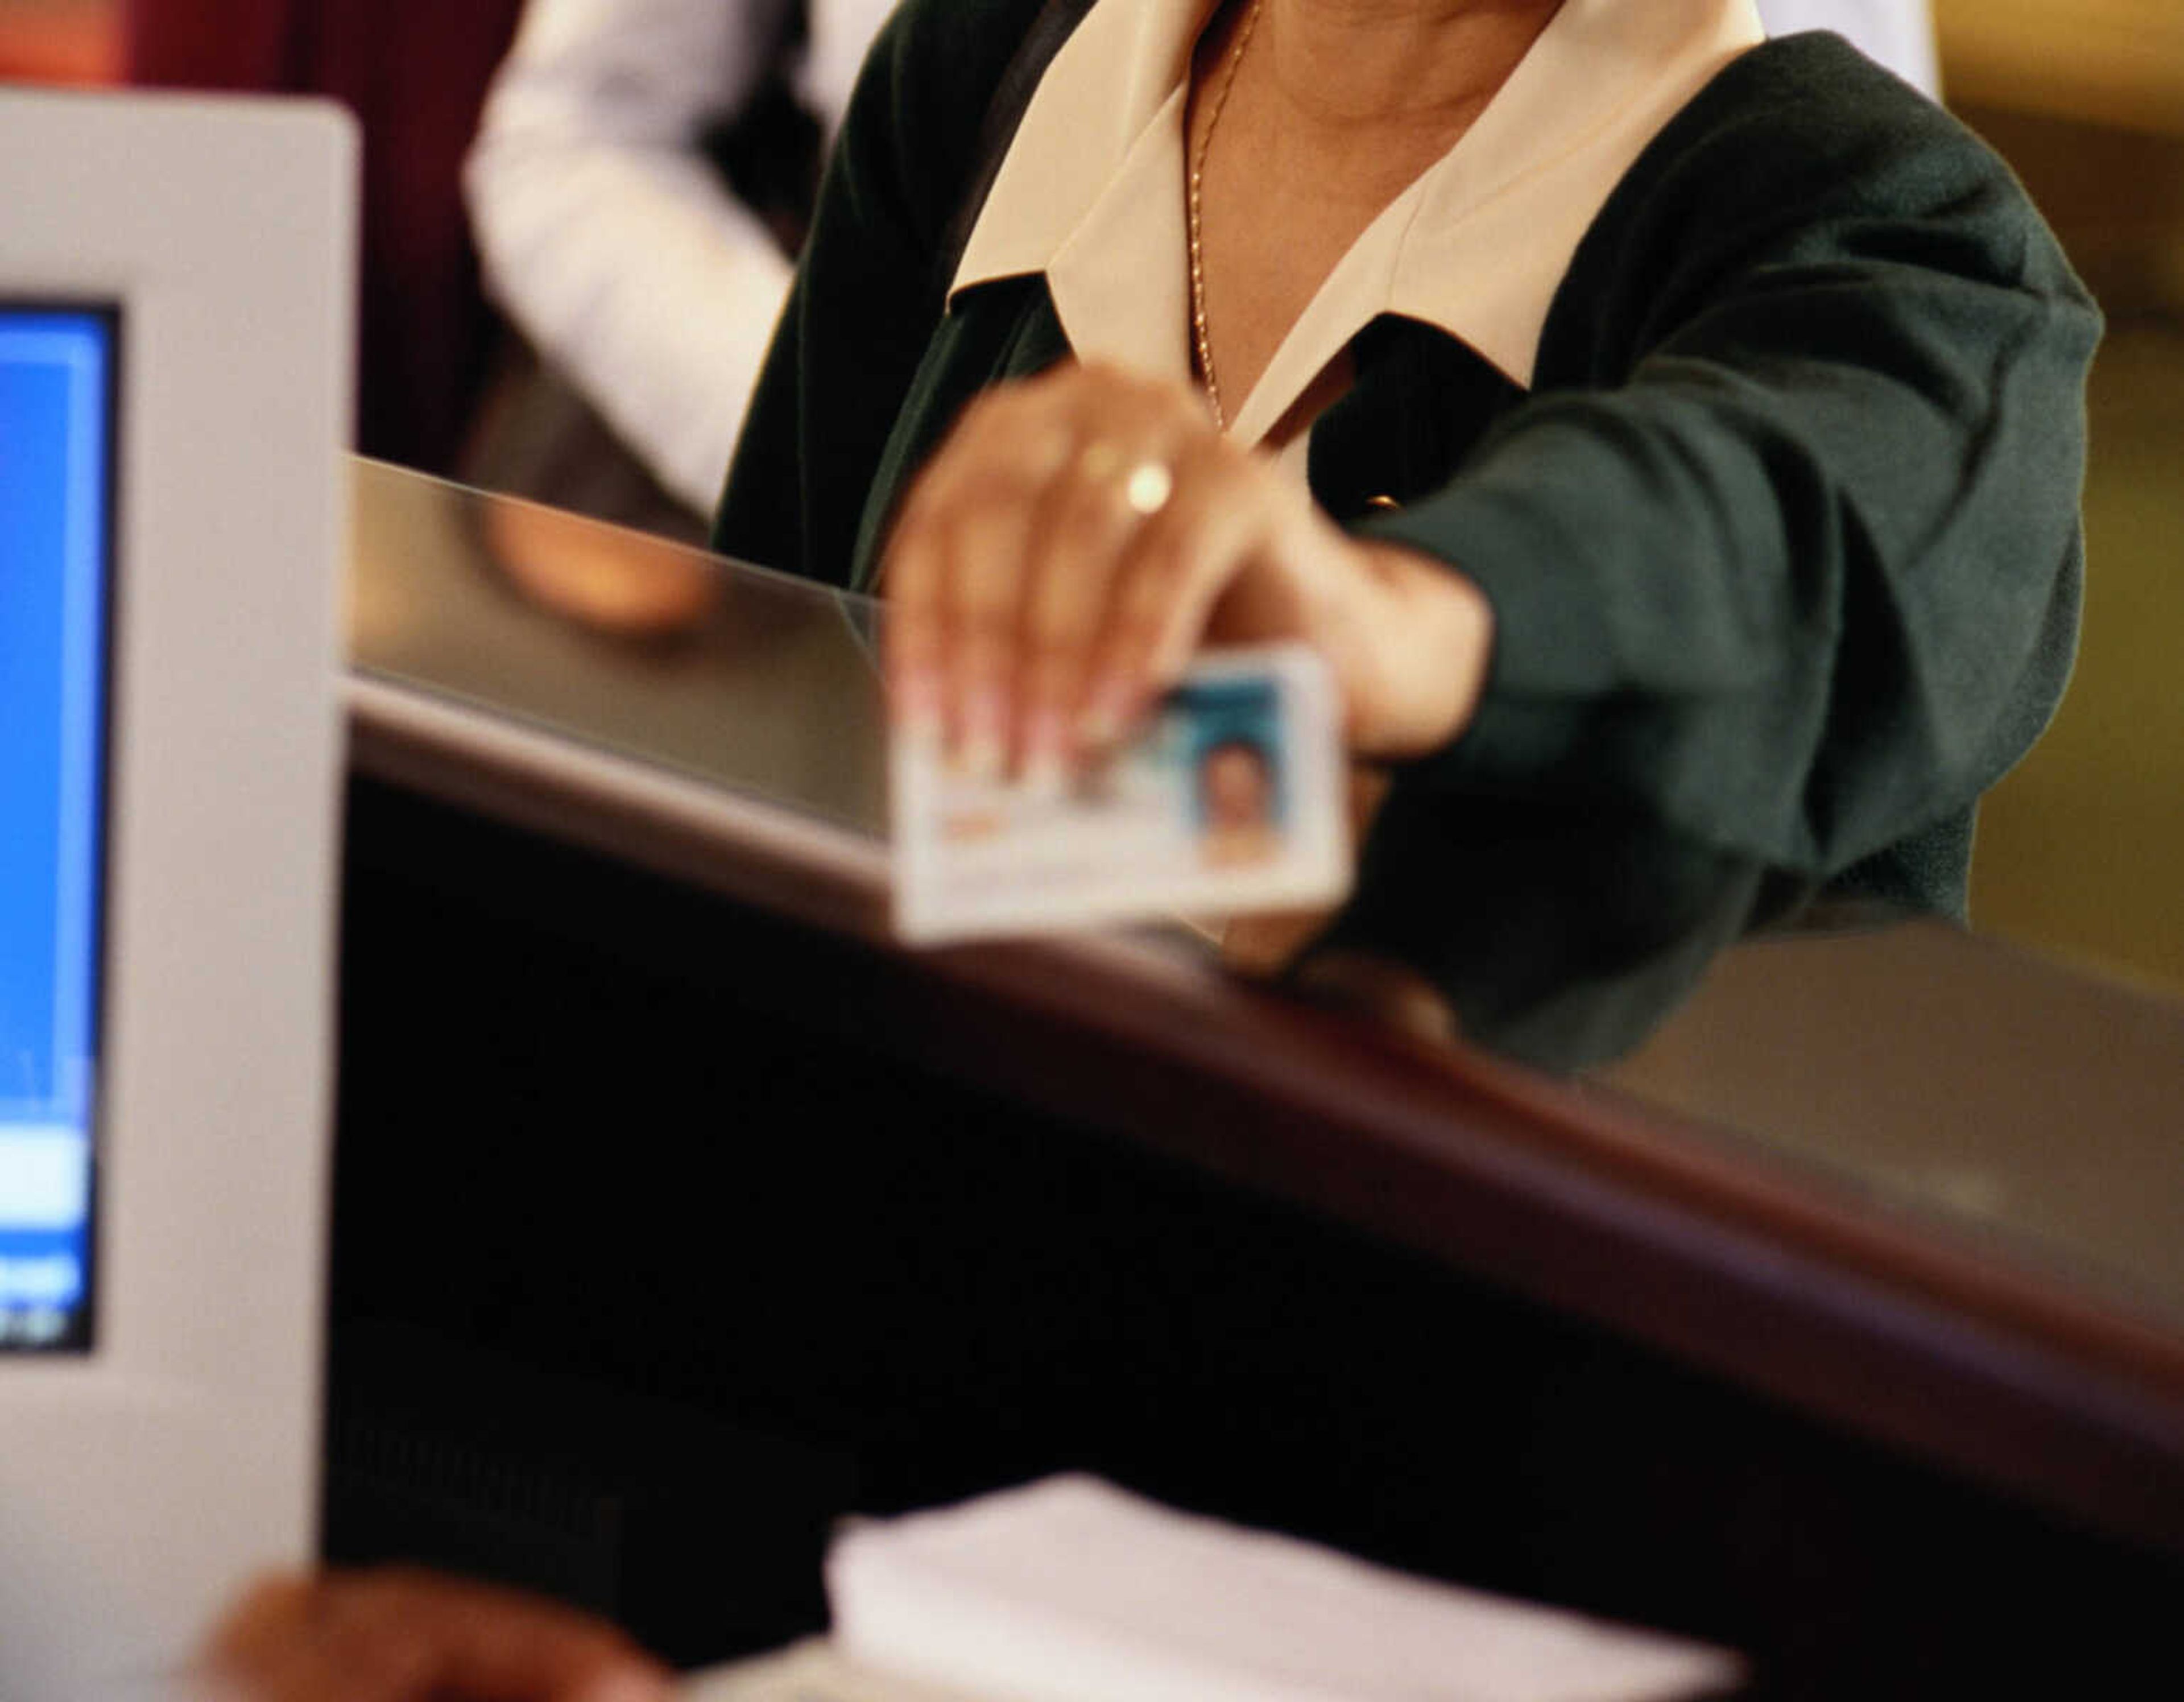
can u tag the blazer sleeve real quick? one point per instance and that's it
(1783, 550)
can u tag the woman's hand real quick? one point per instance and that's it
(1081, 534)
(399, 1636)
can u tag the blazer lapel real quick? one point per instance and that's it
(1421, 403)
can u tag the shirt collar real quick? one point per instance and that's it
(1090, 192)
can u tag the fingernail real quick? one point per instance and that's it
(1046, 755)
(1045, 779)
(915, 704)
(1107, 713)
(983, 752)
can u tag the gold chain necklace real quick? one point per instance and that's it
(1194, 190)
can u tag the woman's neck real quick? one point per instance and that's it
(1332, 109)
(1349, 66)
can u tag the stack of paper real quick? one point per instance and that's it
(1071, 1590)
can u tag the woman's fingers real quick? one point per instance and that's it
(987, 545)
(1225, 519)
(970, 506)
(1006, 567)
(1075, 540)
(1088, 531)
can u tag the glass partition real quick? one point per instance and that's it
(2030, 1108)
(758, 683)
(2011, 1104)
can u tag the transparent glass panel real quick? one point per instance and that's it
(751, 681)
(1946, 1076)
(2006, 1100)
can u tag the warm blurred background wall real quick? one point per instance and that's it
(60, 41)
(2081, 851)
(415, 72)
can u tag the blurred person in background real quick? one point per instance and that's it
(638, 190)
(639, 187)
(1898, 33)
(394, 1634)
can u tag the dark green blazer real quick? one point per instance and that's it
(1783, 544)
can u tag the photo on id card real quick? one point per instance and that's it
(1229, 801)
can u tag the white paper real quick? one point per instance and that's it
(1071, 1590)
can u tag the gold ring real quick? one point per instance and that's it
(1148, 488)
(1145, 485)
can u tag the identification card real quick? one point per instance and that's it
(1230, 802)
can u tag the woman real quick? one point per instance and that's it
(649, 275)
(1672, 440)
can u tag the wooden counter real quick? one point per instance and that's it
(1090, 1202)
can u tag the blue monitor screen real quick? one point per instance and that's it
(57, 392)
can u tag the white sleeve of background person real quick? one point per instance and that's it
(1897, 33)
(842, 32)
(609, 237)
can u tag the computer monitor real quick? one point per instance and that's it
(56, 413)
(176, 302)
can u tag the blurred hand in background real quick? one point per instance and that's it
(403, 1636)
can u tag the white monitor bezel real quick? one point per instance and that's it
(143, 1481)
